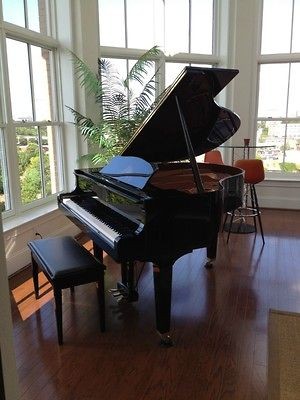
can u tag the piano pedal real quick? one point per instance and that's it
(122, 300)
(117, 294)
(113, 290)
(123, 295)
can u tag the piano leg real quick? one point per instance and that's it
(163, 289)
(98, 252)
(211, 250)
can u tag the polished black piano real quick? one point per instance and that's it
(155, 202)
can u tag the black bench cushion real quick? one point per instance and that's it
(62, 256)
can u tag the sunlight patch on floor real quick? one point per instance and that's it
(25, 299)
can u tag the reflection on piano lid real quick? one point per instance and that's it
(131, 170)
(161, 139)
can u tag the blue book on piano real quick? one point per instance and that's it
(131, 170)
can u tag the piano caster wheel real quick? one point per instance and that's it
(166, 341)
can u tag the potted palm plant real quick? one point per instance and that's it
(121, 111)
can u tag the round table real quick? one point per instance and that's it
(246, 149)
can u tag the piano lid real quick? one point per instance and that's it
(160, 138)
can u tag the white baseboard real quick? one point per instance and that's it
(280, 203)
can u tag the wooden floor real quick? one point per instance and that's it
(219, 325)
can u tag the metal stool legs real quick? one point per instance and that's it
(246, 212)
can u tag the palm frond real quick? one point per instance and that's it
(121, 111)
(145, 99)
(140, 69)
(87, 78)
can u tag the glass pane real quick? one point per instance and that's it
(137, 88)
(29, 164)
(294, 93)
(51, 164)
(112, 23)
(292, 148)
(271, 133)
(172, 71)
(37, 16)
(41, 74)
(273, 90)
(296, 28)
(115, 94)
(201, 26)
(140, 24)
(19, 80)
(276, 27)
(13, 12)
(4, 191)
(39, 162)
(176, 26)
(119, 67)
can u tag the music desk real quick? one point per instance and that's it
(241, 226)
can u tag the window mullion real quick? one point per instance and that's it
(292, 26)
(286, 112)
(31, 81)
(25, 13)
(42, 164)
(190, 26)
(125, 24)
(9, 135)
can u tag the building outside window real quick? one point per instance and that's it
(278, 115)
(30, 130)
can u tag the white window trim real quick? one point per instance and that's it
(12, 216)
(275, 176)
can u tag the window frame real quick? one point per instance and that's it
(127, 53)
(8, 125)
(277, 58)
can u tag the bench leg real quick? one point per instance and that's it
(101, 299)
(35, 277)
(58, 313)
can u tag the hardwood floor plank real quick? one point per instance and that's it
(219, 326)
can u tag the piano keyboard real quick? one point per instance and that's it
(109, 233)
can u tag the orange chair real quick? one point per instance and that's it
(254, 173)
(213, 157)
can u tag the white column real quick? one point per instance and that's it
(6, 338)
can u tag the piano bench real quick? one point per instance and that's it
(66, 264)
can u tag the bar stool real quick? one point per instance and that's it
(254, 173)
(214, 157)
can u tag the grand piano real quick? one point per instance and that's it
(155, 202)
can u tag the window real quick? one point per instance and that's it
(30, 126)
(30, 14)
(183, 31)
(278, 119)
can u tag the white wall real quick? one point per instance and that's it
(53, 223)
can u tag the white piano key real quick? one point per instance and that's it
(95, 222)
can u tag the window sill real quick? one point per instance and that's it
(281, 182)
(28, 216)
